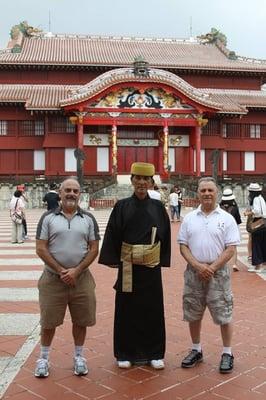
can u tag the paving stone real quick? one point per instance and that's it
(18, 324)
(105, 380)
(18, 294)
(19, 275)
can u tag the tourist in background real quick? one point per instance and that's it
(17, 206)
(180, 199)
(258, 238)
(153, 190)
(174, 204)
(52, 198)
(164, 195)
(24, 221)
(228, 203)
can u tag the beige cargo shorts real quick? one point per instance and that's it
(215, 294)
(55, 296)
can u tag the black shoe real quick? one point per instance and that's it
(227, 363)
(193, 358)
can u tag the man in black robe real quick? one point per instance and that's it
(137, 241)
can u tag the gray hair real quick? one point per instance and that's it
(70, 178)
(207, 179)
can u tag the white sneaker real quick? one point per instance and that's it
(42, 368)
(80, 366)
(124, 364)
(252, 269)
(157, 364)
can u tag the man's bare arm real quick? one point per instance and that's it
(203, 269)
(43, 252)
(226, 255)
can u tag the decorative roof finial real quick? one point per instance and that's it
(141, 67)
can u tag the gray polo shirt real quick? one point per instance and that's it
(67, 239)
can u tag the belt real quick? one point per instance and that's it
(147, 255)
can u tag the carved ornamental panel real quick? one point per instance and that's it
(137, 98)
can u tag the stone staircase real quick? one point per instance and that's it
(113, 192)
(117, 191)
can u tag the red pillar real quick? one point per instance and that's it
(198, 148)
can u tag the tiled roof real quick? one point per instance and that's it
(245, 98)
(110, 51)
(39, 97)
(50, 97)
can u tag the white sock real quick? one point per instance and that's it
(227, 350)
(78, 351)
(45, 352)
(196, 346)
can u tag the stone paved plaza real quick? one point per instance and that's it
(19, 335)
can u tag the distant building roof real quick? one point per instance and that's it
(77, 50)
(35, 97)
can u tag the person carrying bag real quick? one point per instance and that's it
(17, 218)
(256, 226)
(257, 223)
(16, 207)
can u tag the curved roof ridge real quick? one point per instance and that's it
(121, 75)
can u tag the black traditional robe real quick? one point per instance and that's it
(139, 326)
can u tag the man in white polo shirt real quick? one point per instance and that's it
(207, 237)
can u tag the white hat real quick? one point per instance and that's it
(254, 187)
(228, 195)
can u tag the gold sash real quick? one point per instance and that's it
(147, 255)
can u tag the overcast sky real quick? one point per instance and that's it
(242, 21)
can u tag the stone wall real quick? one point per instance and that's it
(35, 193)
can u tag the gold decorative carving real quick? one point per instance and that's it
(94, 139)
(176, 141)
(202, 121)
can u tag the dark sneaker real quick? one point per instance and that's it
(227, 363)
(193, 358)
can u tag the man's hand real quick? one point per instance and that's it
(247, 213)
(205, 272)
(69, 276)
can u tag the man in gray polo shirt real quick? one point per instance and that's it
(67, 240)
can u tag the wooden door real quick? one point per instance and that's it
(127, 155)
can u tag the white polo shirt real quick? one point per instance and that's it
(173, 199)
(154, 194)
(207, 236)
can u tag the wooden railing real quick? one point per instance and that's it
(102, 203)
(109, 203)
(189, 202)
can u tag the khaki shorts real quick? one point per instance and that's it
(55, 296)
(215, 294)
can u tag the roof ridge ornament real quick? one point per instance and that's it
(19, 32)
(220, 40)
(141, 67)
